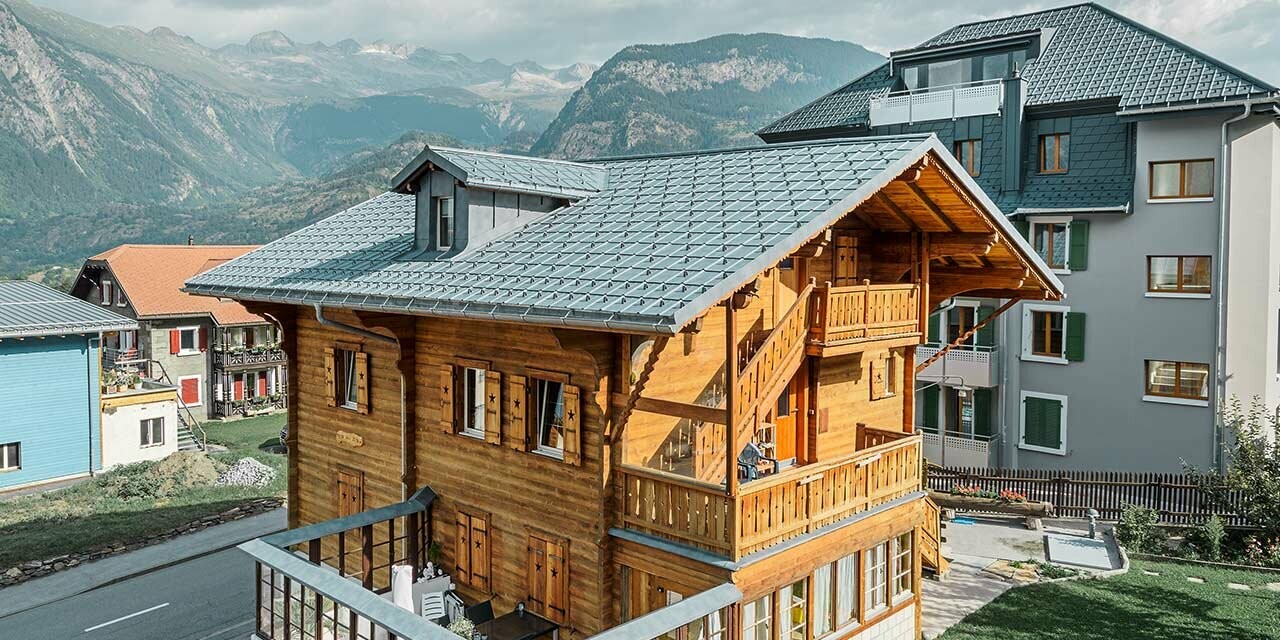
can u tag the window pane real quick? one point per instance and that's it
(1019, 59)
(995, 66)
(1196, 273)
(473, 407)
(550, 403)
(187, 339)
(1048, 153)
(1200, 178)
(444, 222)
(1046, 333)
(950, 72)
(911, 77)
(1064, 151)
(1059, 234)
(1162, 377)
(846, 589)
(1194, 382)
(1162, 273)
(794, 600)
(756, 618)
(823, 609)
(1165, 177)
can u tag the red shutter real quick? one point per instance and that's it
(190, 389)
(239, 389)
(262, 384)
(175, 341)
(204, 339)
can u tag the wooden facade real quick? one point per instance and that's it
(638, 494)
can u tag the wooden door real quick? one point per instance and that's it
(845, 257)
(648, 593)
(786, 424)
(350, 492)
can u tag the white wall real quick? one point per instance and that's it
(122, 427)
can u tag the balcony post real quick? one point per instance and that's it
(731, 399)
(909, 389)
(925, 307)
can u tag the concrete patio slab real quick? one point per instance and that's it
(1081, 552)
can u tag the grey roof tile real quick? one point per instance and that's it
(32, 309)
(667, 237)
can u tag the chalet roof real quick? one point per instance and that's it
(525, 174)
(151, 276)
(1093, 53)
(31, 309)
(668, 237)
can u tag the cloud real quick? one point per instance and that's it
(1240, 32)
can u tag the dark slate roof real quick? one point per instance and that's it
(525, 174)
(1093, 53)
(670, 236)
(32, 309)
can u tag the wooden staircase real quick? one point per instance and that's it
(931, 540)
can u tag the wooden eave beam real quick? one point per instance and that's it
(932, 206)
(684, 410)
(966, 335)
(892, 207)
(659, 343)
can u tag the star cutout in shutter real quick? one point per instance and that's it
(537, 567)
(517, 403)
(553, 572)
(477, 544)
(492, 398)
(570, 416)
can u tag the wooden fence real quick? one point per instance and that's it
(1177, 497)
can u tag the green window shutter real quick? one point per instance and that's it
(935, 327)
(1052, 424)
(982, 399)
(1023, 226)
(1078, 253)
(987, 334)
(1074, 346)
(929, 415)
(1032, 421)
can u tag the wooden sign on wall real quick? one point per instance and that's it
(353, 440)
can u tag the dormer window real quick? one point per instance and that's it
(444, 223)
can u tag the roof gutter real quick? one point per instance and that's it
(1220, 321)
(342, 326)
(1200, 106)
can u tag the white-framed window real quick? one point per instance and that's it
(128, 340)
(875, 578)
(793, 602)
(1044, 333)
(900, 581)
(847, 590)
(444, 223)
(548, 404)
(473, 381)
(152, 432)
(120, 302)
(11, 456)
(1043, 424)
(757, 619)
(344, 361)
(250, 382)
(1051, 238)
(188, 341)
(191, 390)
(108, 288)
(960, 318)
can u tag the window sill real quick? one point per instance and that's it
(152, 446)
(1176, 295)
(1031, 357)
(1186, 402)
(1060, 271)
(11, 470)
(474, 435)
(349, 406)
(557, 454)
(1177, 200)
(1032, 447)
(188, 353)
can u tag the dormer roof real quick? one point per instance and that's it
(504, 172)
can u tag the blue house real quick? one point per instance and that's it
(50, 416)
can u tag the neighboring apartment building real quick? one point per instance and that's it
(224, 360)
(1124, 156)
(664, 396)
(50, 425)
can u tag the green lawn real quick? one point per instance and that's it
(1133, 605)
(88, 515)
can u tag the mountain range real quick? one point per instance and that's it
(114, 134)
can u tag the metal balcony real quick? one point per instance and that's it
(970, 366)
(949, 102)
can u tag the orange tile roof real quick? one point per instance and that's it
(152, 276)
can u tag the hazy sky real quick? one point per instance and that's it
(554, 32)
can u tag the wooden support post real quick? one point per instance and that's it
(815, 412)
(925, 307)
(909, 388)
(289, 344)
(313, 554)
(288, 603)
(366, 556)
(731, 391)
(413, 533)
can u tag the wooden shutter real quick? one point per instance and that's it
(1024, 227)
(203, 332)
(493, 407)
(479, 554)
(929, 415)
(1078, 252)
(537, 572)
(238, 389)
(935, 327)
(448, 414)
(879, 368)
(1033, 421)
(462, 550)
(557, 602)
(330, 377)
(1073, 345)
(1052, 429)
(572, 426)
(175, 341)
(350, 492)
(262, 383)
(846, 261)
(982, 411)
(362, 382)
(515, 433)
(987, 334)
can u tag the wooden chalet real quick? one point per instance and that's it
(662, 396)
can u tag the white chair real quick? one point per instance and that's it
(433, 605)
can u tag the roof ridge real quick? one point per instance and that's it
(1010, 17)
(495, 154)
(826, 142)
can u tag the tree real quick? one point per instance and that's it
(1253, 467)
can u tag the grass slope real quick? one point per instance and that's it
(1132, 606)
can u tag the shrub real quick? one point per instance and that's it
(1253, 467)
(1136, 529)
(133, 482)
(1210, 536)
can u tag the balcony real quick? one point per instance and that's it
(776, 508)
(247, 356)
(251, 406)
(968, 365)
(957, 449)
(937, 103)
(845, 317)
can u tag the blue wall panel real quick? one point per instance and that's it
(49, 403)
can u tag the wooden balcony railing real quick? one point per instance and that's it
(865, 312)
(771, 510)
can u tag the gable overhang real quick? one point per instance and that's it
(1040, 281)
(422, 163)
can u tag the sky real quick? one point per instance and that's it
(1244, 33)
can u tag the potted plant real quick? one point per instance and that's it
(135, 381)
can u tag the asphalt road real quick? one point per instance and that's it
(208, 598)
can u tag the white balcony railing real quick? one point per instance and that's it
(980, 98)
(970, 366)
(956, 449)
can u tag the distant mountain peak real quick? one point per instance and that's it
(270, 42)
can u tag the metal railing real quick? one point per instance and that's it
(704, 615)
(247, 356)
(945, 102)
